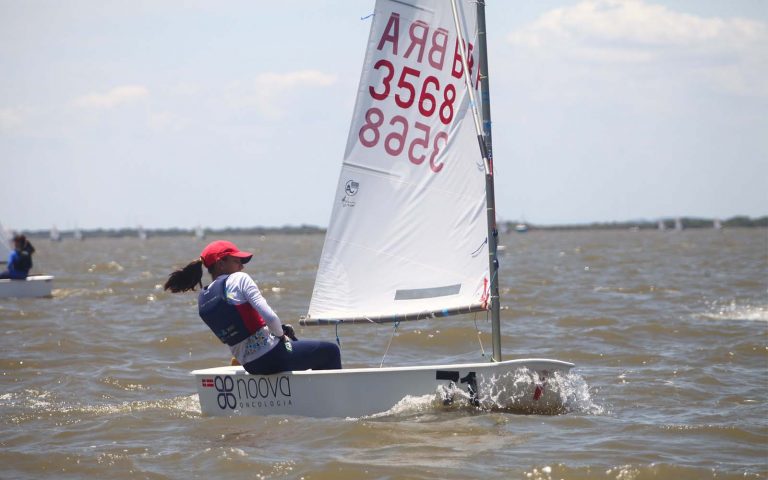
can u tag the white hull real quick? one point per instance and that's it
(33, 286)
(226, 391)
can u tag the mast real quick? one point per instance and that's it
(484, 139)
(493, 232)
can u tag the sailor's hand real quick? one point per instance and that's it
(289, 332)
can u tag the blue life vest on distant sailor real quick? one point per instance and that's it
(231, 323)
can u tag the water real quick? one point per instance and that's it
(668, 332)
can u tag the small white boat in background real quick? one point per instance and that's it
(31, 287)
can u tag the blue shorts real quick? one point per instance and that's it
(304, 355)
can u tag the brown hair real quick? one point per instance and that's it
(187, 278)
(25, 244)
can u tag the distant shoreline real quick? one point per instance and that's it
(685, 223)
(504, 227)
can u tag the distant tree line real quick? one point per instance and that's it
(668, 223)
(181, 232)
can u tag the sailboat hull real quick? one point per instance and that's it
(227, 391)
(32, 286)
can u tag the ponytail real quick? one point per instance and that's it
(186, 278)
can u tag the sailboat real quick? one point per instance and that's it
(32, 286)
(5, 245)
(412, 234)
(54, 234)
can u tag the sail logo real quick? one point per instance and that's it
(350, 189)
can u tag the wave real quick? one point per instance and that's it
(507, 393)
(30, 405)
(733, 310)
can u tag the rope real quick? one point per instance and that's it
(394, 330)
(479, 338)
(338, 340)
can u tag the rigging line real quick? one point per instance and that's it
(479, 337)
(338, 340)
(477, 251)
(470, 90)
(394, 330)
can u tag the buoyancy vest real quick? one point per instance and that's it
(231, 323)
(23, 261)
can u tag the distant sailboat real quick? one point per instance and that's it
(716, 224)
(678, 224)
(5, 245)
(54, 234)
(32, 286)
(77, 234)
(142, 234)
(661, 225)
(199, 233)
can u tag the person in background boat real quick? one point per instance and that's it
(234, 309)
(20, 259)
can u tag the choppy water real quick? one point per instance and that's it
(668, 331)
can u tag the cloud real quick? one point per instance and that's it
(12, 118)
(286, 81)
(634, 23)
(117, 96)
(167, 122)
(728, 54)
(270, 92)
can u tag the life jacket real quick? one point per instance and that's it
(231, 323)
(23, 261)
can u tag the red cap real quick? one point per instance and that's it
(219, 249)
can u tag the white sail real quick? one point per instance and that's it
(5, 244)
(408, 232)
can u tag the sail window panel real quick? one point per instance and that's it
(433, 292)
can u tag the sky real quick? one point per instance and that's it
(173, 114)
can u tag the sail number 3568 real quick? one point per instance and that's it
(396, 140)
(427, 101)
